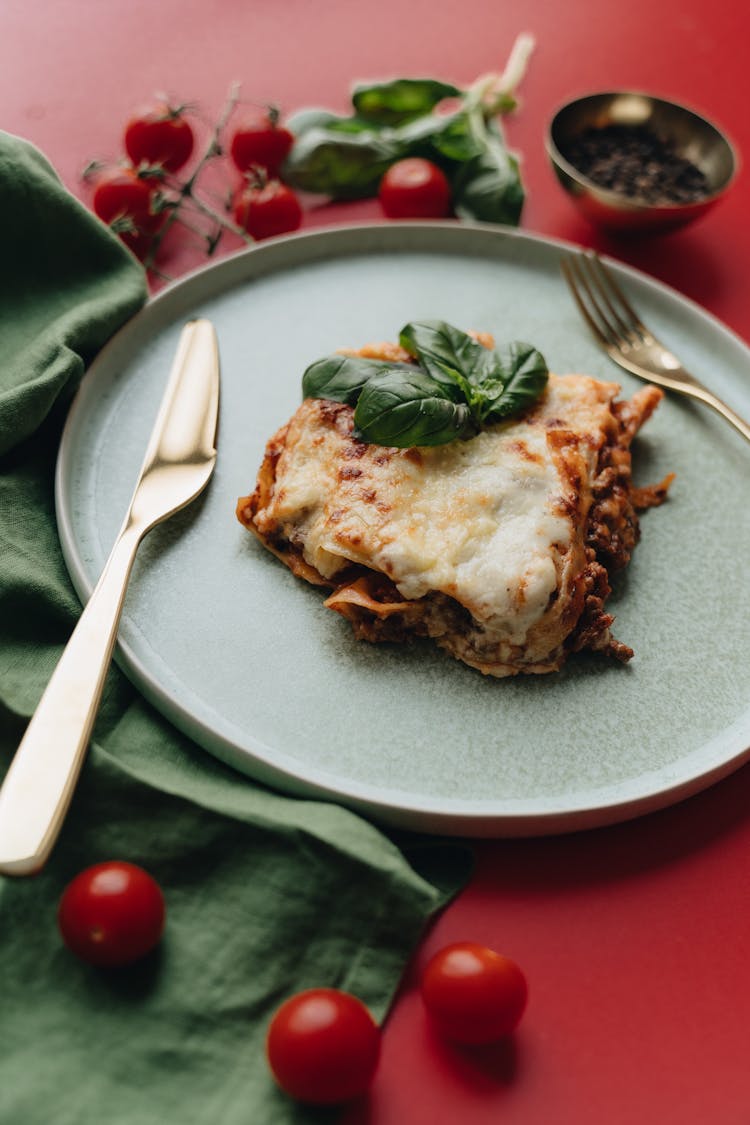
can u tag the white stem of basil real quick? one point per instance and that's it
(496, 93)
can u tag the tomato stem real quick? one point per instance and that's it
(217, 217)
(186, 192)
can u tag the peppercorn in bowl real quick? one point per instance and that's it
(630, 161)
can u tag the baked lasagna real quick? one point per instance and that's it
(499, 548)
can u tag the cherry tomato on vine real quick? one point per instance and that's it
(264, 209)
(111, 914)
(472, 994)
(159, 134)
(323, 1046)
(260, 139)
(126, 201)
(414, 188)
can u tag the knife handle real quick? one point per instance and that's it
(40, 782)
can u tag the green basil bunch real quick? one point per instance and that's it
(456, 387)
(344, 157)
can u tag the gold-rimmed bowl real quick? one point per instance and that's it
(689, 134)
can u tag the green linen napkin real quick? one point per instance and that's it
(265, 894)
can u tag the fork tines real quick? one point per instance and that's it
(601, 301)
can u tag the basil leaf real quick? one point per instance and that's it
(313, 116)
(342, 377)
(343, 165)
(405, 409)
(488, 187)
(400, 100)
(449, 355)
(525, 375)
(453, 140)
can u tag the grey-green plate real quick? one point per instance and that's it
(245, 659)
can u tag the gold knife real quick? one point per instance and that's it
(178, 464)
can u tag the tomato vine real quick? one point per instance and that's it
(143, 196)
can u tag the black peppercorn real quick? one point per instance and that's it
(636, 162)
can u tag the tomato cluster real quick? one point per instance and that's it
(263, 206)
(133, 197)
(136, 197)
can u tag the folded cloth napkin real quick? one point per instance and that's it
(265, 894)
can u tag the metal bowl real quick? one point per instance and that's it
(692, 136)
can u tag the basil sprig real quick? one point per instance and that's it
(455, 387)
(345, 156)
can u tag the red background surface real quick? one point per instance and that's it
(636, 938)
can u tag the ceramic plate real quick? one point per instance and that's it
(245, 659)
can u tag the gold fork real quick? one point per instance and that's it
(625, 338)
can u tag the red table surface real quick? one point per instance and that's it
(635, 938)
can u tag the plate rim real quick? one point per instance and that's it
(391, 806)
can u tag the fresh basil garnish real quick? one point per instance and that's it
(342, 377)
(524, 377)
(410, 409)
(455, 387)
(447, 353)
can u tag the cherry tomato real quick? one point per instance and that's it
(111, 914)
(159, 134)
(415, 189)
(323, 1046)
(472, 994)
(266, 209)
(260, 139)
(125, 201)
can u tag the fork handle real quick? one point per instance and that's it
(40, 782)
(726, 411)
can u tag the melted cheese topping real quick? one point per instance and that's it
(495, 523)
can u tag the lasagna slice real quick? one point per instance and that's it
(498, 547)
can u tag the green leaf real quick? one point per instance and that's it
(488, 187)
(458, 386)
(342, 377)
(446, 139)
(449, 355)
(312, 117)
(405, 409)
(455, 141)
(525, 375)
(339, 164)
(400, 100)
